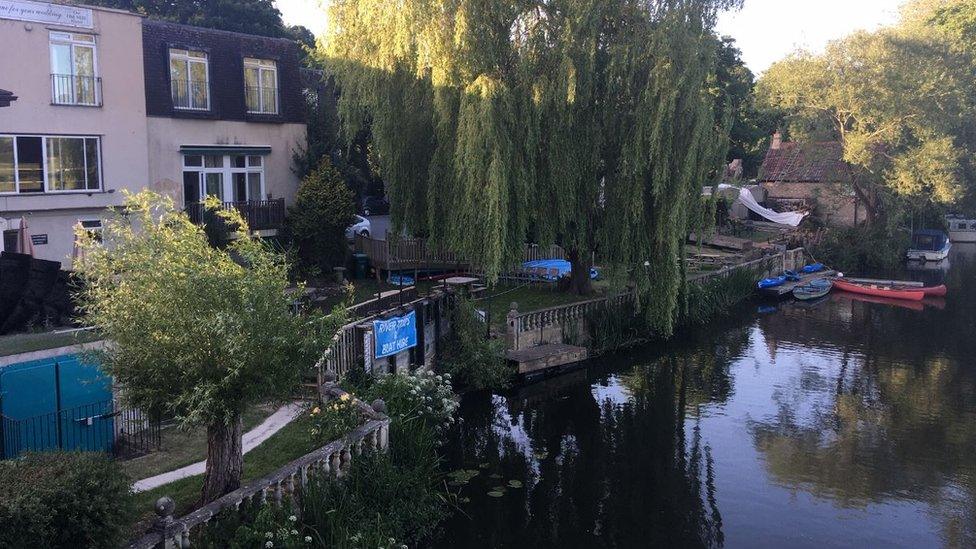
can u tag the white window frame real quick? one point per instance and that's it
(44, 168)
(262, 66)
(227, 170)
(187, 57)
(70, 39)
(96, 232)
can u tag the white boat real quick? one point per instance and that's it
(961, 229)
(929, 245)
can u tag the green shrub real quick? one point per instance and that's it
(475, 361)
(716, 296)
(386, 498)
(63, 499)
(334, 419)
(862, 249)
(324, 207)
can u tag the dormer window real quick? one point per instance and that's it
(261, 85)
(189, 79)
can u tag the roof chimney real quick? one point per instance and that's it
(777, 140)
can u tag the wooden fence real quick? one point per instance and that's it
(330, 461)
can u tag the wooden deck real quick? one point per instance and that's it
(543, 357)
(787, 288)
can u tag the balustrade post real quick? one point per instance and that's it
(164, 508)
(334, 464)
(512, 331)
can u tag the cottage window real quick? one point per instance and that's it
(189, 79)
(37, 164)
(261, 85)
(74, 78)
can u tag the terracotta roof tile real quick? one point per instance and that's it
(805, 163)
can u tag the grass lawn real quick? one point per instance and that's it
(27, 342)
(180, 448)
(288, 444)
(531, 298)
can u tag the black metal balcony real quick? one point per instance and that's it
(190, 94)
(73, 89)
(260, 215)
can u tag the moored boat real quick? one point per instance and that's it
(913, 294)
(929, 291)
(813, 289)
(961, 229)
(929, 245)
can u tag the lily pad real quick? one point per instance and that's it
(484, 465)
(514, 484)
(495, 476)
(496, 493)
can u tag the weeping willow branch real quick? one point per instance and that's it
(589, 123)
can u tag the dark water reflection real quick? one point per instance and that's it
(842, 423)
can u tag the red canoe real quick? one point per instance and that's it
(880, 291)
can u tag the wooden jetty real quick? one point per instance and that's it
(543, 357)
(787, 287)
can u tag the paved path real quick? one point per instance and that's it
(271, 425)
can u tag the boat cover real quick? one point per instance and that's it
(929, 240)
(792, 219)
(562, 265)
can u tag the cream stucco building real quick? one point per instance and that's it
(108, 100)
(76, 135)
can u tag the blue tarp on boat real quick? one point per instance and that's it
(561, 264)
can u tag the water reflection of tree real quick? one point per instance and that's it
(597, 473)
(896, 421)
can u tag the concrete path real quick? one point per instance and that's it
(281, 417)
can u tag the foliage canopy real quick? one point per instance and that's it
(584, 122)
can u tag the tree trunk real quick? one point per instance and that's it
(225, 460)
(579, 278)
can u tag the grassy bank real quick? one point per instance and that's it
(38, 341)
(288, 444)
(179, 448)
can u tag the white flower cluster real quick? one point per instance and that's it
(431, 397)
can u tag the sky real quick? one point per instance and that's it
(765, 30)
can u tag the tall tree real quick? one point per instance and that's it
(895, 99)
(259, 17)
(197, 333)
(583, 122)
(751, 126)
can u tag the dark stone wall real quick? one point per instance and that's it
(226, 52)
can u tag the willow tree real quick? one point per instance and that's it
(589, 123)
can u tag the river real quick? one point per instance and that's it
(838, 424)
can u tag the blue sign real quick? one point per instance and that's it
(395, 334)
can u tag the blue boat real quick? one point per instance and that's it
(813, 289)
(813, 268)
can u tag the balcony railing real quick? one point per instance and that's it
(261, 100)
(260, 214)
(73, 89)
(190, 94)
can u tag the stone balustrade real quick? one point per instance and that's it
(332, 461)
(544, 326)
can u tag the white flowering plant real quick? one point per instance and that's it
(274, 529)
(423, 395)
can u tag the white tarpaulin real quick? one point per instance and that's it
(786, 218)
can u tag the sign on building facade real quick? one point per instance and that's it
(42, 12)
(394, 335)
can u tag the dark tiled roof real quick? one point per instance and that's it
(6, 97)
(805, 163)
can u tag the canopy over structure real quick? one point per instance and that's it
(792, 219)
